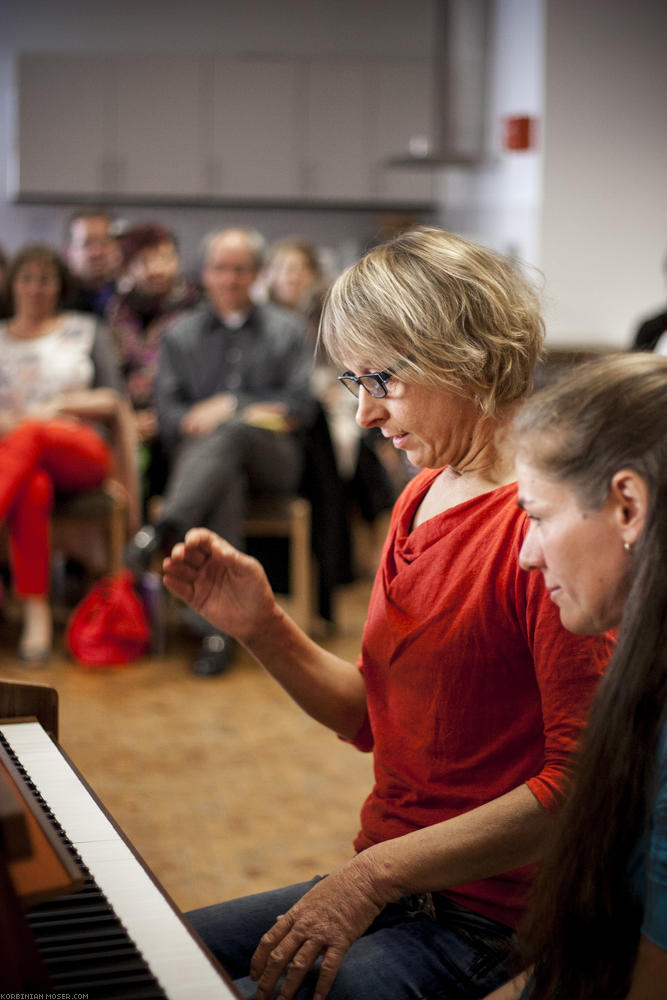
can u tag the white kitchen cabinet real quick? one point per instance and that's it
(401, 99)
(157, 139)
(337, 150)
(360, 114)
(252, 107)
(62, 125)
(108, 125)
(203, 127)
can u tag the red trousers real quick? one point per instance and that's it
(38, 458)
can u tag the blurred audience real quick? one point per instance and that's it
(232, 393)
(93, 256)
(62, 411)
(293, 274)
(155, 292)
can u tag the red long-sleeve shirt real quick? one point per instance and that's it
(473, 685)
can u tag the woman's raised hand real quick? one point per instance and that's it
(227, 587)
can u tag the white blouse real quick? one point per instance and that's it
(33, 371)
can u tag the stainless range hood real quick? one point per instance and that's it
(460, 79)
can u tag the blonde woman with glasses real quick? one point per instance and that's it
(468, 691)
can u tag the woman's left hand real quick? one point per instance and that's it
(325, 922)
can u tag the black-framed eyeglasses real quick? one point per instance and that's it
(375, 383)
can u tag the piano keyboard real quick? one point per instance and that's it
(86, 950)
(119, 890)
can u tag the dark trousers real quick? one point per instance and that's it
(213, 476)
(408, 953)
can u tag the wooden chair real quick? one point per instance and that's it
(290, 518)
(278, 517)
(101, 511)
(90, 527)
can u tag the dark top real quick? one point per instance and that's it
(267, 359)
(137, 323)
(91, 300)
(649, 332)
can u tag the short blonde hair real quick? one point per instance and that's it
(443, 312)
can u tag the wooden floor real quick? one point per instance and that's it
(222, 784)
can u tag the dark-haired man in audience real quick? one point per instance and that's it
(93, 257)
(232, 393)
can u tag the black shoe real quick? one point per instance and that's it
(215, 656)
(139, 552)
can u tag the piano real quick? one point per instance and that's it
(100, 926)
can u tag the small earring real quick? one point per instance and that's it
(627, 546)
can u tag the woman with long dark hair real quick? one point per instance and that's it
(592, 473)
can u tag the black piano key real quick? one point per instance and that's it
(138, 989)
(117, 983)
(88, 952)
(57, 940)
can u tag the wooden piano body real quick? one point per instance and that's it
(79, 910)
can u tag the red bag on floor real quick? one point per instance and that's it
(109, 626)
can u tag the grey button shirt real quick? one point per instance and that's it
(267, 359)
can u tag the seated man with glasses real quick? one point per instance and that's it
(232, 391)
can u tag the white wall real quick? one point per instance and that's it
(604, 219)
(589, 205)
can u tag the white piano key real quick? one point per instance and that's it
(173, 956)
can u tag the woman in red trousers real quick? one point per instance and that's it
(65, 425)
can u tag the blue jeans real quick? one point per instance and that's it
(408, 952)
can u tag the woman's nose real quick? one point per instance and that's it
(370, 410)
(530, 555)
